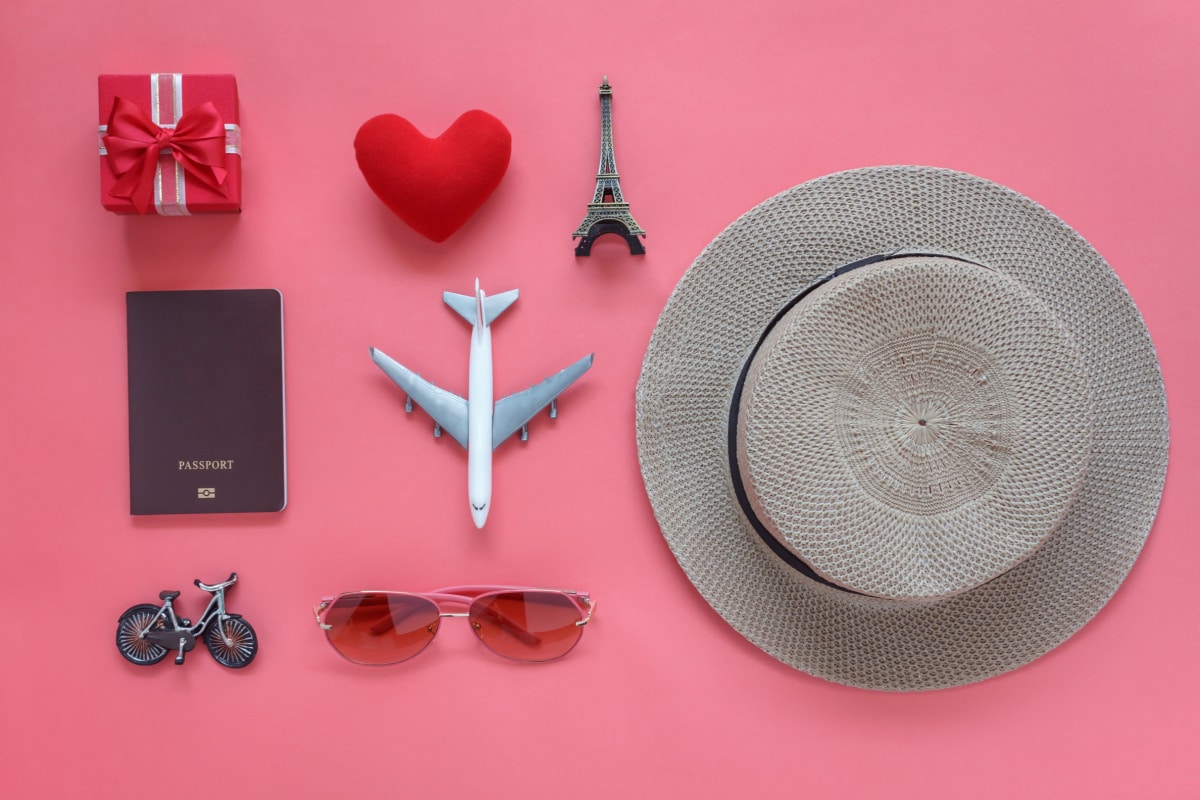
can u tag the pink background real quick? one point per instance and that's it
(1089, 108)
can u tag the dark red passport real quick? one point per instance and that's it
(206, 402)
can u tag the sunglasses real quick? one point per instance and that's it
(378, 628)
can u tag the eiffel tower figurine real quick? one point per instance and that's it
(608, 212)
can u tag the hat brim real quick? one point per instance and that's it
(719, 310)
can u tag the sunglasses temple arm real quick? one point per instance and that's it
(467, 592)
(472, 590)
(516, 629)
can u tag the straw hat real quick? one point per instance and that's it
(902, 428)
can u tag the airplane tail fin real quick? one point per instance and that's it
(468, 306)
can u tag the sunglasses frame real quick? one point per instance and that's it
(457, 596)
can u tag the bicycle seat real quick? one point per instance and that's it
(216, 586)
(167, 595)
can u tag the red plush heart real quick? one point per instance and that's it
(434, 185)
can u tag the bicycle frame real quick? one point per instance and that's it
(215, 608)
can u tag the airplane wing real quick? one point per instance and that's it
(512, 412)
(447, 409)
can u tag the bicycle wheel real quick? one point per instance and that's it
(242, 642)
(140, 651)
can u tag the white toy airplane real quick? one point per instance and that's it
(473, 422)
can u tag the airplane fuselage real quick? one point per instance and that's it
(479, 423)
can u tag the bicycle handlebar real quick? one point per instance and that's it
(231, 579)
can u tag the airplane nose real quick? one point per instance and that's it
(479, 514)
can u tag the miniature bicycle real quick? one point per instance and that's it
(146, 632)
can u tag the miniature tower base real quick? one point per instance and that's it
(598, 229)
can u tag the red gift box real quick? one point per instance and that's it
(170, 144)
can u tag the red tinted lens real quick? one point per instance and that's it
(527, 625)
(377, 628)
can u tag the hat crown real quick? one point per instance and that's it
(914, 428)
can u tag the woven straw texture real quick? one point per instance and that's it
(1118, 427)
(915, 428)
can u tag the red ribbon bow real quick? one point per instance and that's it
(134, 143)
